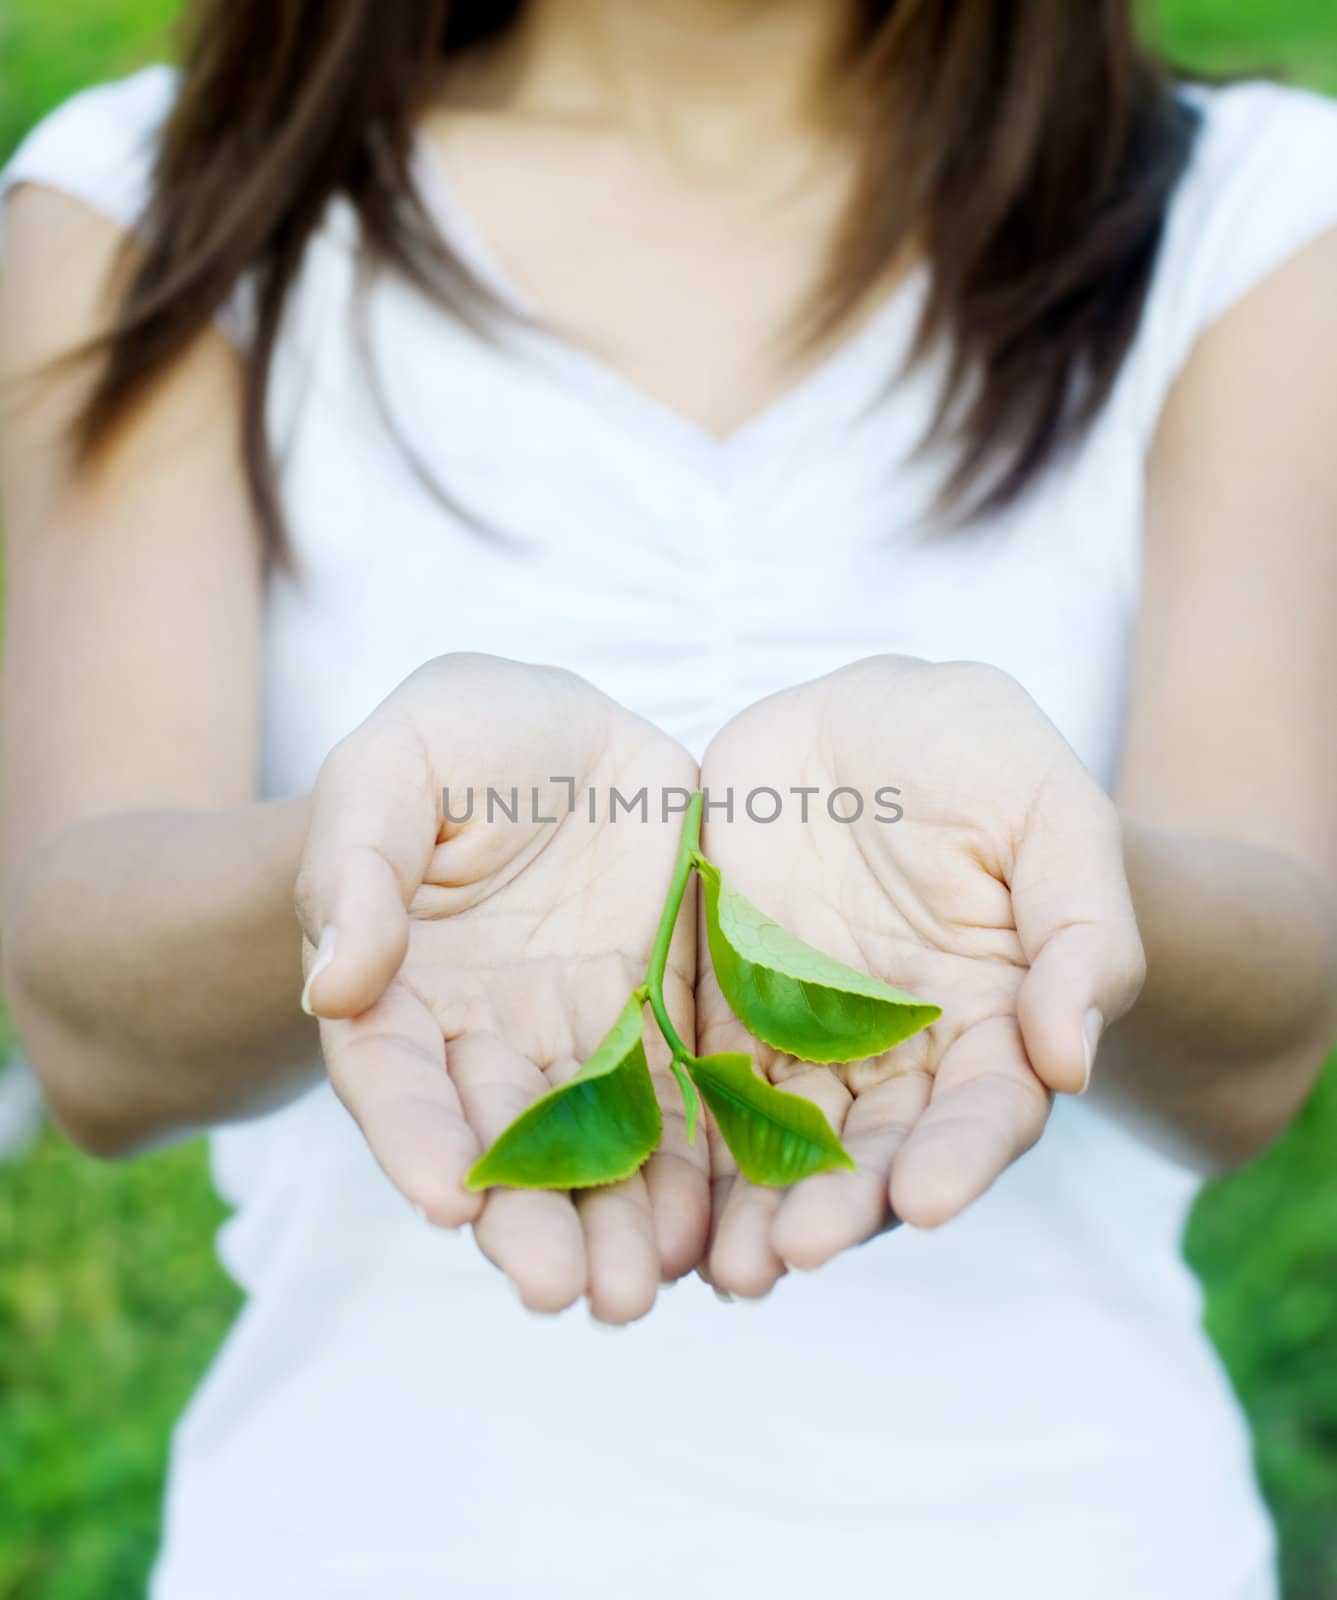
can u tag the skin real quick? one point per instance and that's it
(1014, 917)
(702, 145)
(1017, 918)
(152, 959)
(474, 967)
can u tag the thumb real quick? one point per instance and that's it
(1074, 916)
(373, 828)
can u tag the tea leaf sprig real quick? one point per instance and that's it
(604, 1123)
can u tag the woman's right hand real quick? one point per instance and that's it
(460, 970)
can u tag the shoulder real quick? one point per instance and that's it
(99, 150)
(70, 197)
(100, 147)
(1242, 440)
(1234, 114)
(1259, 188)
(1264, 163)
(1254, 121)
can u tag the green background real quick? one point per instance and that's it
(111, 1301)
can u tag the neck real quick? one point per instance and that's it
(707, 78)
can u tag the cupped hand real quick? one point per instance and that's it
(999, 895)
(474, 964)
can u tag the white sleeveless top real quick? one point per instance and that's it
(1021, 1404)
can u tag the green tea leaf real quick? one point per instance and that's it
(596, 1128)
(793, 997)
(776, 1138)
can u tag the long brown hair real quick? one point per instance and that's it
(1028, 150)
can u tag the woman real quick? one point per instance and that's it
(738, 363)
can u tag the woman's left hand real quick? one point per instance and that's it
(999, 895)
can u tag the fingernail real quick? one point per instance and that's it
(724, 1298)
(324, 955)
(421, 1213)
(1092, 1025)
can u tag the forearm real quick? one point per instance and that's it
(1237, 1013)
(152, 963)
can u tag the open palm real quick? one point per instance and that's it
(478, 962)
(998, 895)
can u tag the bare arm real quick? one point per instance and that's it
(1229, 784)
(152, 958)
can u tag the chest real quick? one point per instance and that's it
(525, 503)
(688, 284)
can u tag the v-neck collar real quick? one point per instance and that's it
(841, 386)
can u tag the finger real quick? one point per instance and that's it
(723, 1175)
(620, 1248)
(388, 1066)
(743, 1257)
(1074, 915)
(832, 1211)
(987, 1108)
(533, 1235)
(621, 1253)
(677, 1182)
(373, 827)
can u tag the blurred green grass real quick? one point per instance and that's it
(50, 48)
(111, 1300)
(1295, 39)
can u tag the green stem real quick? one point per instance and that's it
(688, 848)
